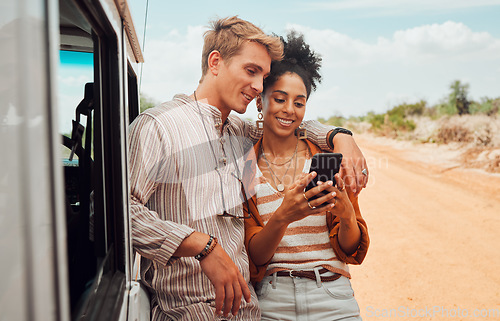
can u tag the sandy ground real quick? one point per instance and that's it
(435, 235)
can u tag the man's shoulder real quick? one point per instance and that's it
(174, 110)
(236, 122)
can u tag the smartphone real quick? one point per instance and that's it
(326, 165)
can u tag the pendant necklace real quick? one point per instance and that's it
(280, 187)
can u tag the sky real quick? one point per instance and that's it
(376, 53)
(75, 71)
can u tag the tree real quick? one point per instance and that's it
(146, 102)
(458, 97)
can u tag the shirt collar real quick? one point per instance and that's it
(206, 110)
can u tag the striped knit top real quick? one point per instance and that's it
(306, 243)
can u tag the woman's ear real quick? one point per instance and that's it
(214, 62)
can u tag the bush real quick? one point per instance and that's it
(480, 130)
(487, 106)
(454, 133)
(376, 120)
(395, 120)
(446, 109)
(400, 123)
(146, 102)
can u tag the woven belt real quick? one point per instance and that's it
(309, 275)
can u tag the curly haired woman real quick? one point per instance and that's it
(298, 247)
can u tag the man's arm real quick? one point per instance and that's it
(152, 237)
(164, 241)
(354, 169)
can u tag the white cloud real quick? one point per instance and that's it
(414, 64)
(398, 7)
(358, 76)
(173, 64)
(74, 81)
(449, 40)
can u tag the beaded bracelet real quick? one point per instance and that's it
(212, 242)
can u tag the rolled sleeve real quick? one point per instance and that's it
(317, 133)
(164, 255)
(359, 255)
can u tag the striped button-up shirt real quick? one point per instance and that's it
(185, 170)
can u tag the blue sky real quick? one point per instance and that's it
(376, 53)
(361, 19)
(76, 70)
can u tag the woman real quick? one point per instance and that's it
(298, 248)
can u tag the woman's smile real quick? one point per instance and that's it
(285, 122)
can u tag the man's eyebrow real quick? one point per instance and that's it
(251, 64)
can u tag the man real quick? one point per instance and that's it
(185, 171)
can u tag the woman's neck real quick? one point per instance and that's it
(278, 148)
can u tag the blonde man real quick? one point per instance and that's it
(185, 172)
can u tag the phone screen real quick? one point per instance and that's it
(326, 165)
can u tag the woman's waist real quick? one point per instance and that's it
(333, 266)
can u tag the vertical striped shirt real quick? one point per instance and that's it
(184, 173)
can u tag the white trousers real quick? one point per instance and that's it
(301, 299)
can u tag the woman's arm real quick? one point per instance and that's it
(349, 234)
(348, 231)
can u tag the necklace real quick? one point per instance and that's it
(289, 160)
(280, 187)
(238, 174)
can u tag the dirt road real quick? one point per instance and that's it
(435, 237)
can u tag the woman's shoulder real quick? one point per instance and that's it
(313, 148)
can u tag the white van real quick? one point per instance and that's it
(64, 225)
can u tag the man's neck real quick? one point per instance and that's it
(205, 95)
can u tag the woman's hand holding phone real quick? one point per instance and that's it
(343, 208)
(298, 204)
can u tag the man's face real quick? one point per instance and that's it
(239, 79)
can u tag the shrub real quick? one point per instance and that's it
(486, 106)
(376, 120)
(337, 121)
(454, 133)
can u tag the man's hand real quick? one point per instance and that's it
(353, 162)
(227, 280)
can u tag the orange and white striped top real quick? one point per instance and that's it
(306, 243)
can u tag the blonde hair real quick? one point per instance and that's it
(227, 36)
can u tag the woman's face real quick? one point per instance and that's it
(284, 105)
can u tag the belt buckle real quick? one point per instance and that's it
(290, 273)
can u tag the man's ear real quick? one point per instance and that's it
(214, 62)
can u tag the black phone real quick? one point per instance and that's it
(326, 165)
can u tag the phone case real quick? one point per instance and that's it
(326, 165)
